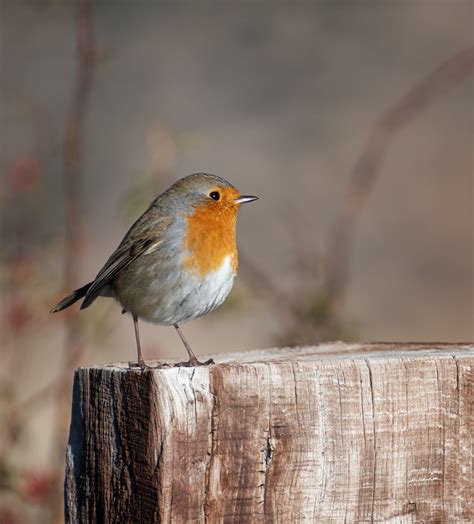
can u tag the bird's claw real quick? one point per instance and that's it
(141, 364)
(193, 362)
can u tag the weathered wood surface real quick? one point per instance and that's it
(332, 433)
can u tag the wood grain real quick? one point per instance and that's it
(332, 433)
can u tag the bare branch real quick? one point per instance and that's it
(73, 170)
(293, 316)
(368, 167)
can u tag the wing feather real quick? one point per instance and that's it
(131, 248)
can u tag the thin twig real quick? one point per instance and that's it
(368, 166)
(290, 313)
(73, 164)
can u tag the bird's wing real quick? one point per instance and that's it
(141, 239)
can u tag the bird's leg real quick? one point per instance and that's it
(193, 361)
(141, 362)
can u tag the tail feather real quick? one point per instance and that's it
(70, 299)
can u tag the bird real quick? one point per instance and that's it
(177, 262)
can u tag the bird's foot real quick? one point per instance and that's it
(193, 362)
(141, 364)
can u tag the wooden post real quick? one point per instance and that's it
(332, 433)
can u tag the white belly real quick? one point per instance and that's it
(190, 296)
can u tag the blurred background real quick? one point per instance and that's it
(353, 122)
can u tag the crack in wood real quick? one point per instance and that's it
(374, 474)
(267, 451)
(212, 445)
(267, 458)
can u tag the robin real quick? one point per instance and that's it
(177, 262)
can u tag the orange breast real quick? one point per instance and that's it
(211, 237)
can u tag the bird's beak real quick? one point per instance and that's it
(243, 199)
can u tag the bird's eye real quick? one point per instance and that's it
(215, 195)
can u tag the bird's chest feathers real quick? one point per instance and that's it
(210, 238)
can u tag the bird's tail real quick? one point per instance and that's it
(70, 299)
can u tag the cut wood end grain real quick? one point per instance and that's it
(356, 432)
(338, 350)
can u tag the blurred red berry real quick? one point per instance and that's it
(36, 485)
(8, 516)
(25, 174)
(17, 314)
